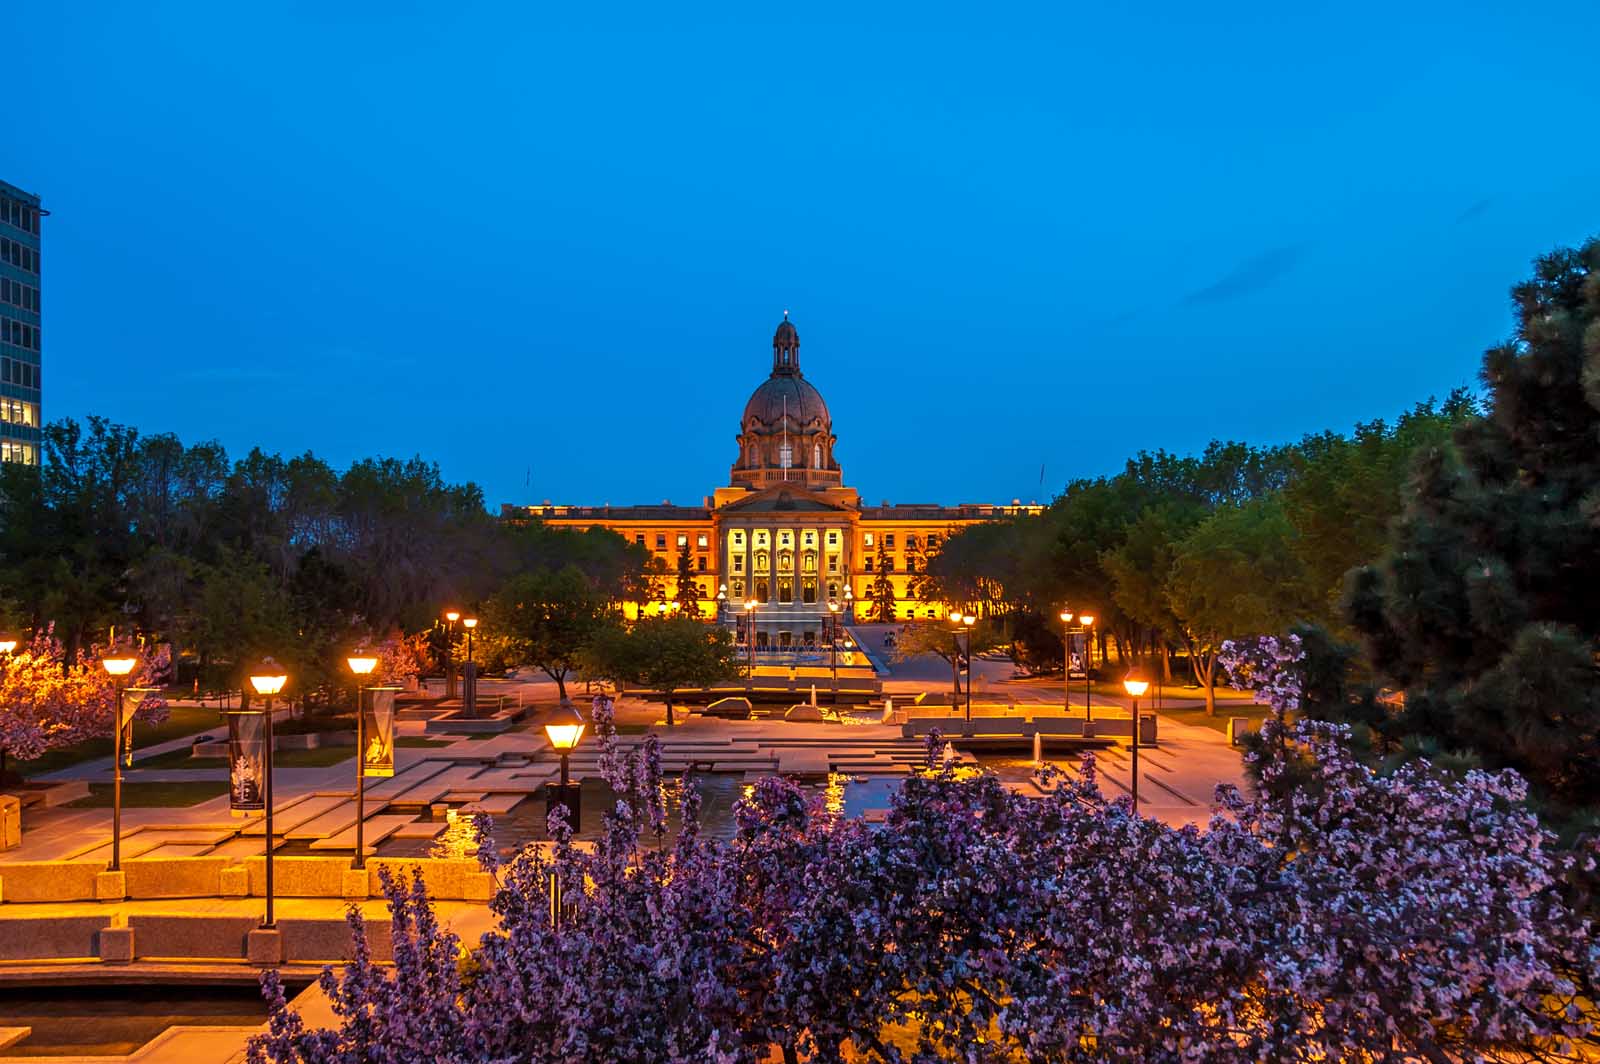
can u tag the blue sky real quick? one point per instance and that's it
(547, 246)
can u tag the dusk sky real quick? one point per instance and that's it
(546, 246)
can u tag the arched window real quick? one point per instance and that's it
(751, 461)
(816, 456)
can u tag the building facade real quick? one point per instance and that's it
(21, 342)
(786, 541)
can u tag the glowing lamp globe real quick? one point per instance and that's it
(1135, 687)
(268, 679)
(118, 666)
(564, 728)
(469, 622)
(452, 616)
(7, 645)
(361, 663)
(1066, 616)
(1087, 620)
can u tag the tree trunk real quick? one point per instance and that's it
(670, 721)
(1211, 691)
(561, 683)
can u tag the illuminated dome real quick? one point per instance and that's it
(786, 434)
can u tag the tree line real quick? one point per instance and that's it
(1442, 571)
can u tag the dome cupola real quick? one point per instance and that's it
(786, 434)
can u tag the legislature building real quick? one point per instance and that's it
(786, 540)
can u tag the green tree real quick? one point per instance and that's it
(939, 638)
(1235, 575)
(1140, 568)
(1485, 606)
(880, 593)
(687, 594)
(548, 619)
(665, 655)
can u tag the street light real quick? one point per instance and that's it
(469, 677)
(7, 646)
(564, 727)
(1086, 620)
(361, 663)
(750, 606)
(722, 602)
(268, 679)
(1135, 687)
(833, 646)
(451, 616)
(962, 622)
(118, 666)
(1066, 661)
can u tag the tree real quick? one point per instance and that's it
(1141, 568)
(48, 701)
(548, 619)
(1235, 575)
(1485, 606)
(939, 638)
(1362, 917)
(880, 593)
(687, 588)
(665, 655)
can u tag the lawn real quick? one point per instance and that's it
(316, 757)
(181, 721)
(146, 795)
(1197, 715)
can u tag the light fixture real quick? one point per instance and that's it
(7, 645)
(1087, 620)
(469, 622)
(969, 620)
(118, 666)
(268, 678)
(565, 728)
(452, 616)
(1135, 686)
(362, 662)
(1066, 616)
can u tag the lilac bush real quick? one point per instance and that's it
(1412, 917)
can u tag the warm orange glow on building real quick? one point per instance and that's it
(786, 532)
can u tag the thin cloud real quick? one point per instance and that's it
(1250, 276)
(1473, 211)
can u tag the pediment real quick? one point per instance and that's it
(783, 498)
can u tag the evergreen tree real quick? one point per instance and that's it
(688, 588)
(880, 593)
(1485, 608)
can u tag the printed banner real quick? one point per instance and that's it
(377, 726)
(247, 761)
(1079, 655)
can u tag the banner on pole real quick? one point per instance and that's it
(377, 726)
(247, 761)
(1079, 656)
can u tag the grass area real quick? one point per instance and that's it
(1197, 715)
(316, 757)
(633, 729)
(146, 795)
(417, 740)
(181, 721)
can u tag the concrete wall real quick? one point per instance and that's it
(191, 937)
(51, 937)
(174, 877)
(25, 881)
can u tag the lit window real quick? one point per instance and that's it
(866, 539)
(700, 541)
(683, 539)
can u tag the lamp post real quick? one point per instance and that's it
(962, 622)
(469, 674)
(564, 727)
(833, 646)
(849, 604)
(268, 679)
(1135, 688)
(118, 667)
(451, 617)
(1066, 661)
(361, 663)
(722, 602)
(750, 607)
(1086, 622)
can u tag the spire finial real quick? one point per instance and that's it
(785, 313)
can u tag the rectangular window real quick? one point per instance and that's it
(869, 563)
(738, 563)
(888, 540)
(702, 563)
(661, 541)
(866, 539)
(833, 538)
(888, 564)
(701, 542)
(683, 540)
(933, 542)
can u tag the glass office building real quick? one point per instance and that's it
(21, 343)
